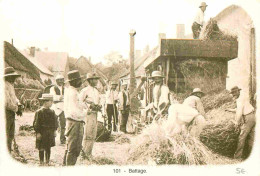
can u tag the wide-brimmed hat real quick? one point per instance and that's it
(156, 74)
(203, 4)
(92, 76)
(46, 97)
(59, 76)
(10, 72)
(197, 90)
(234, 89)
(73, 75)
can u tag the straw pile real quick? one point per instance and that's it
(212, 32)
(154, 146)
(221, 138)
(122, 139)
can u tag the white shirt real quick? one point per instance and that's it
(111, 96)
(195, 102)
(163, 97)
(243, 107)
(89, 94)
(11, 101)
(59, 106)
(121, 99)
(73, 107)
(199, 18)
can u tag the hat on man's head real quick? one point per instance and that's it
(197, 90)
(10, 72)
(73, 75)
(157, 74)
(203, 4)
(46, 97)
(59, 76)
(92, 76)
(234, 89)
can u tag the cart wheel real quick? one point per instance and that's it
(34, 105)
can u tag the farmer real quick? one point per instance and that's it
(12, 104)
(58, 95)
(194, 101)
(75, 118)
(199, 20)
(245, 119)
(45, 125)
(161, 93)
(124, 107)
(90, 96)
(111, 100)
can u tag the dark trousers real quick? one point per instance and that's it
(10, 128)
(112, 112)
(247, 132)
(124, 119)
(74, 133)
(62, 121)
(196, 28)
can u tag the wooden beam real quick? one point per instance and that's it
(199, 48)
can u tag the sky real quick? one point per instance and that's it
(94, 28)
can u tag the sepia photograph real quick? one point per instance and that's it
(130, 86)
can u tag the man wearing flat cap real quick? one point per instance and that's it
(199, 20)
(245, 119)
(90, 96)
(75, 118)
(12, 104)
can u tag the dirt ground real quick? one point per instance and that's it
(105, 152)
(113, 152)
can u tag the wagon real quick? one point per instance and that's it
(29, 98)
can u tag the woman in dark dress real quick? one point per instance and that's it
(45, 125)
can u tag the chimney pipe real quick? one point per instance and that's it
(132, 56)
(32, 51)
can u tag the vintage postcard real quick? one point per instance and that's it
(129, 87)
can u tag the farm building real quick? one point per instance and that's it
(85, 66)
(56, 62)
(20, 63)
(234, 20)
(45, 73)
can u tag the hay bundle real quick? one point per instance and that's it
(212, 32)
(221, 138)
(122, 139)
(154, 146)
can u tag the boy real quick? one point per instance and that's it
(45, 125)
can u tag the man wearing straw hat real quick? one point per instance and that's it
(245, 119)
(124, 107)
(58, 95)
(12, 104)
(75, 118)
(90, 96)
(161, 92)
(199, 20)
(111, 100)
(194, 101)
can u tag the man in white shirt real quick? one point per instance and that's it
(194, 101)
(245, 119)
(12, 104)
(75, 118)
(161, 93)
(124, 107)
(199, 20)
(111, 100)
(58, 95)
(90, 96)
